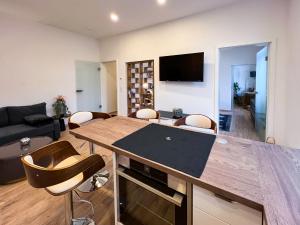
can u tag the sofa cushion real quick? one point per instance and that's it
(38, 119)
(3, 117)
(16, 114)
(16, 132)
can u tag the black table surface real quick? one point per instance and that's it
(182, 150)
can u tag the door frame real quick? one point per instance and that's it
(272, 73)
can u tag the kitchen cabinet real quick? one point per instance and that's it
(210, 209)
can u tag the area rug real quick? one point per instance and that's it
(224, 122)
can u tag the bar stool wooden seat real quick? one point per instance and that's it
(60, 169)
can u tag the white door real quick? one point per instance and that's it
(88, 86)
(261, 92)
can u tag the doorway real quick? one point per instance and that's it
(88, 86)
(243, 78)
(109, 91)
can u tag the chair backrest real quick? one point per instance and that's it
(39, 165)
(145, 114)
(197, 120)
(40, 176)
(81, 117)
(29, 159)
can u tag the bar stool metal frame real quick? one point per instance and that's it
(100, 178)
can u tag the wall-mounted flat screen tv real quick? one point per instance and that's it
(187, 67)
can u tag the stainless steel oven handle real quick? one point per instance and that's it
(176, 199)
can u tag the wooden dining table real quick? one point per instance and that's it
(259, 175)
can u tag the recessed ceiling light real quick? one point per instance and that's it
(114, 17)
(161, 2)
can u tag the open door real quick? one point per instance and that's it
(261, 92)
(109, 87)
(88, 86)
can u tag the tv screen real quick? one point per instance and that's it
(187, 67)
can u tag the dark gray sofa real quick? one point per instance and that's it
(14, 127)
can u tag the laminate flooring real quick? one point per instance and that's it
(241, 124)
(21, 204)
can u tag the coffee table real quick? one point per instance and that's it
(11, 168)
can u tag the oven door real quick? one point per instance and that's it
(144, 201)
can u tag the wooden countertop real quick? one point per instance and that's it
(259, 175)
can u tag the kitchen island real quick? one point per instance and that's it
(242, 173)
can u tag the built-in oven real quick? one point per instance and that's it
(146, 198)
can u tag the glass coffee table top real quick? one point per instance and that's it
(10, 158)
(15, 149)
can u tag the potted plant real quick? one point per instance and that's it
(60, 107)
(236, 89)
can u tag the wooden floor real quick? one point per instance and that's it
(20, 204)
(241, 124)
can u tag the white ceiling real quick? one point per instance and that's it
(91, 17)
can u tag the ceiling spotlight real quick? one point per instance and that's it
(114, 17)
(161, 2)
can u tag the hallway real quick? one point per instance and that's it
(241, 124)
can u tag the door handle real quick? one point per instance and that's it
(224, 198)
(78, 91)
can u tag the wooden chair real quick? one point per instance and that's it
(197, 122)
(145, 114)
(59, 168)
(77, 120)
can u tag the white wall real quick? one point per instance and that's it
(245, 55)
(37, 62)
(241, 75)
(243, 23)
(293, 86)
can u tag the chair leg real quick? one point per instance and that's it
(97, 181)
(80, 200)
(82, 144)
(92, 148)
(69, 212)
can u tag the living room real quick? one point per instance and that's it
(41, 44)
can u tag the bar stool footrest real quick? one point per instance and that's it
(82, 221)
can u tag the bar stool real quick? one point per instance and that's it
(197, 122)
(145, 114)
(59, 168)
(77, 120)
